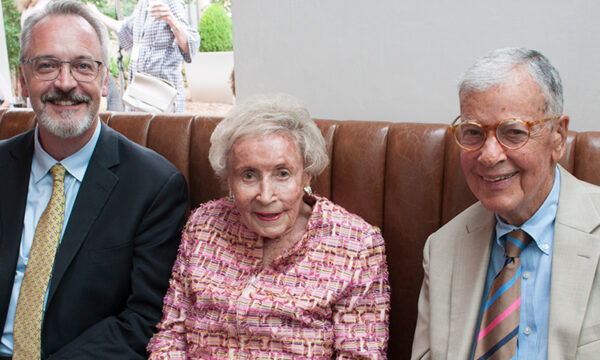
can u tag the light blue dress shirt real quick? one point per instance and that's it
(38, 196)
(536, 270)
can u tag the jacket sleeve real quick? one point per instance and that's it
(169, 342)
(125, 335)
(421, 343)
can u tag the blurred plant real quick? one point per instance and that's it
(12, 29)
(215, 29)
(107, 7)
(113, 67)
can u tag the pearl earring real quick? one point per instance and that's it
(308, 190)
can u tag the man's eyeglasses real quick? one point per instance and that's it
(45, 68)
(512, 134)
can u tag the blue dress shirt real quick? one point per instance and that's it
(38, 196)
(536, 270)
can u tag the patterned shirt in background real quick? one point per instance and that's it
(327, 296)
(159, 53)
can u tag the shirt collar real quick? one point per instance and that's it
(75, 164)
(539, 222)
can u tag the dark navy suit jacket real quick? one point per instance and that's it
(114, 261)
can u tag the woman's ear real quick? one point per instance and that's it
(306, 179)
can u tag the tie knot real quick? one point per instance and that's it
(516, 241)
(58, 172)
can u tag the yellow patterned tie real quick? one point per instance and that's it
(30, 305)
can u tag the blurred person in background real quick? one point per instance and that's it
(159, 37)
(28, 7)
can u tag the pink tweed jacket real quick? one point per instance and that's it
(326, 297)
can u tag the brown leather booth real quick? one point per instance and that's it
(404, 177)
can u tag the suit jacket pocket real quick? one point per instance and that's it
(588, 351)
(590, 339)
(111, 254)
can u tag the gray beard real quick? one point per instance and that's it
(70, 127)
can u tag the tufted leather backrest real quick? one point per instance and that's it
(405, 178)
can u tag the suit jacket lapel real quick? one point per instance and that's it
(16, 167)
(95, 189)
(471, 258)
(574, 261)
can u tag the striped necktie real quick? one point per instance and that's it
(30, 305)
(497, 338)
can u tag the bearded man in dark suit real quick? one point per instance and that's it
(121, 207)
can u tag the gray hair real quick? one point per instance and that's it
(267, 114)
(65, 7)
(493, 68)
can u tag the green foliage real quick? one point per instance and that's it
(108, 7)
(12, 29)
(215, 29)
(113, 67)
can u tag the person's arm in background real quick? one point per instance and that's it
(123, 29)
(110, 23)
(173, 13)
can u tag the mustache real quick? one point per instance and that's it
(61, 96)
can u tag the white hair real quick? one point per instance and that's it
(266, 114)
(493, 68)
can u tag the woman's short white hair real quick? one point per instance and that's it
(267, 114)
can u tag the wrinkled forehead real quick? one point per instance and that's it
(518, 96)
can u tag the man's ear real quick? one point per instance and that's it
(559, 137)
(23, 81)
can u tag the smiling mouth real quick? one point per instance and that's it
(498, 178)
(65, 102)
(65, 99)
(268, 216)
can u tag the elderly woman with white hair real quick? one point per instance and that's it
(272, 270)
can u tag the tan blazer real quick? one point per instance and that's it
(455, 260)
